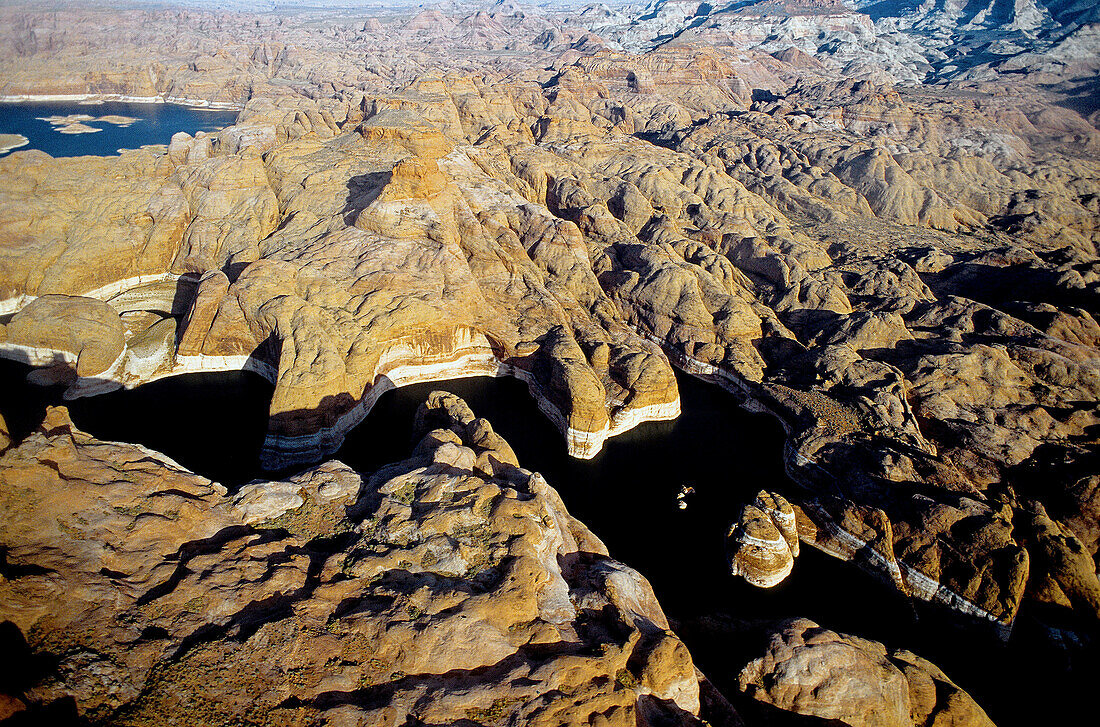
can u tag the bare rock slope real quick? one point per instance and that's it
(927, 340)
(452, 586)
(813, 671)
(904, 273)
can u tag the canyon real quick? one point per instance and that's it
(875, 223)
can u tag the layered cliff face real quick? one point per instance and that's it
(359, 263)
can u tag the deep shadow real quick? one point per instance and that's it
(211, 423)
(997, 285)
(1081, 95)
(363, 189)
(663, 139)
(627, 496)
(889, 8)
(20, 667)
(764, 95)
(184, 295)
(60, 713)
(233, 270)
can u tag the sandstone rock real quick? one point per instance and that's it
(435, 587)
(933, 698)
(932, 261)
(56, 238)
(868, 330)
(763, 542)
(904, 273)
(59, 328)
(1084, 496)
(1068, 570)
(232, 209)
(813, 671)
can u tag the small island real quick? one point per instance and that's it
(8, 142)
(75, 123)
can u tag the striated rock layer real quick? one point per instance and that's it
(396, 276)
(457, 227)
(763, 542)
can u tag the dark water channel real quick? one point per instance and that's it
(214, 424)
(211, 423)
(155, 124)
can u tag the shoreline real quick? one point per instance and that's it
(473, 357)
(11, 142)
(399, 366)
(97, 98)
(282, 452)
(917, 584)
(106, 292)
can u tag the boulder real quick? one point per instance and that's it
(813, 671)
(66, 329)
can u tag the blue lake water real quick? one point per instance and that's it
(155, 124)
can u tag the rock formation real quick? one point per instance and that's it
(450, 586)
(763, 542)
(333, 333)
(890, 247)
(459, 227)
(813, 671)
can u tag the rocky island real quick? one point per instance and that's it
(875, 224)
(11, 141)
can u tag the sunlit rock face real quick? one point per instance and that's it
(453, 584)
(454, 229)
(816, 672)
(904, 273)
(763, 542)
(397, 260)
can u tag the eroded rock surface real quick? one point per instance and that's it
(814, 671)
(61, 328)
(521, 232)
(904, 273)
(763, 542)
(453, 586)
